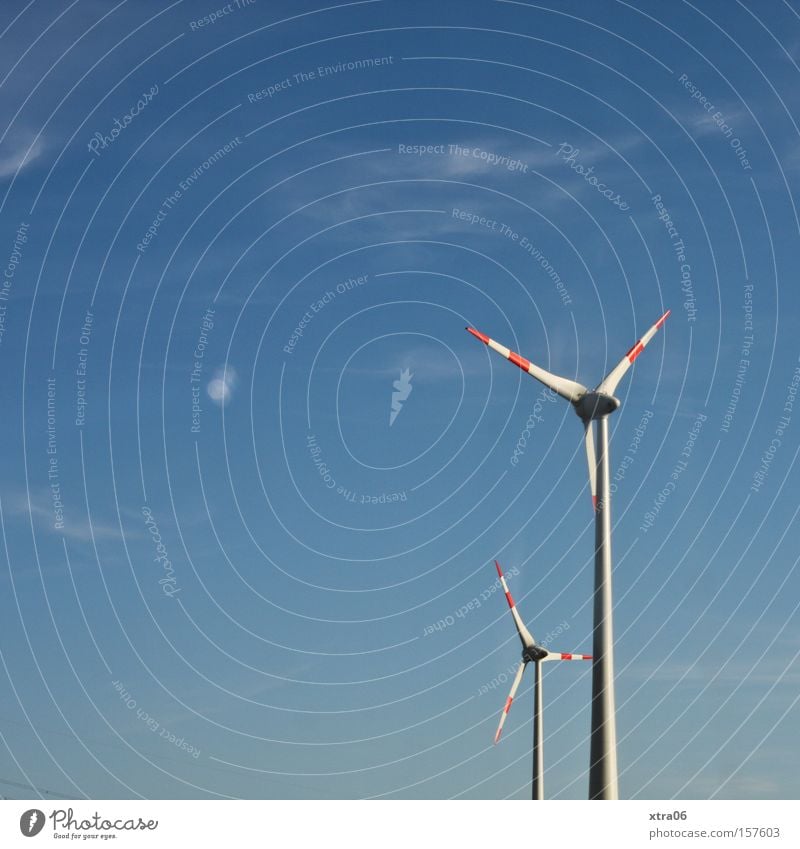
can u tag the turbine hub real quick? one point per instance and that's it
(534, 653)
(595, 405)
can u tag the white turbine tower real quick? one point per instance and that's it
(537, 655)
(590, 405)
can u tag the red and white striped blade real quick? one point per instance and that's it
(524, 634)
(591, 460)
(612, 379)
(565, 387)
(554, 655)
(509, 700)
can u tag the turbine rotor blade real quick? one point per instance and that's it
(509, 700)
(563, 386)
(592, 460)
(612, 379)
(554, 655)
(524, 634)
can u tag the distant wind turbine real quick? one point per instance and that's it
(536, 654)
(590, 405)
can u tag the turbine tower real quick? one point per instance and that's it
(591, 405)
(532, 652)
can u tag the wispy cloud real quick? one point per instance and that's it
(38, 505)
(493, 161)
(791, 161)
(19, 150)
(699, 122)
(765, 672)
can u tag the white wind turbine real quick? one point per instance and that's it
(533, 653)
(596, 404)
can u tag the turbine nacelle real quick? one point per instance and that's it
(595, 405)
(533, 653)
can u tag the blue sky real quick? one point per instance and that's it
(289, 206)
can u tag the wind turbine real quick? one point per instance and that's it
(533, 653)
(590, 405)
